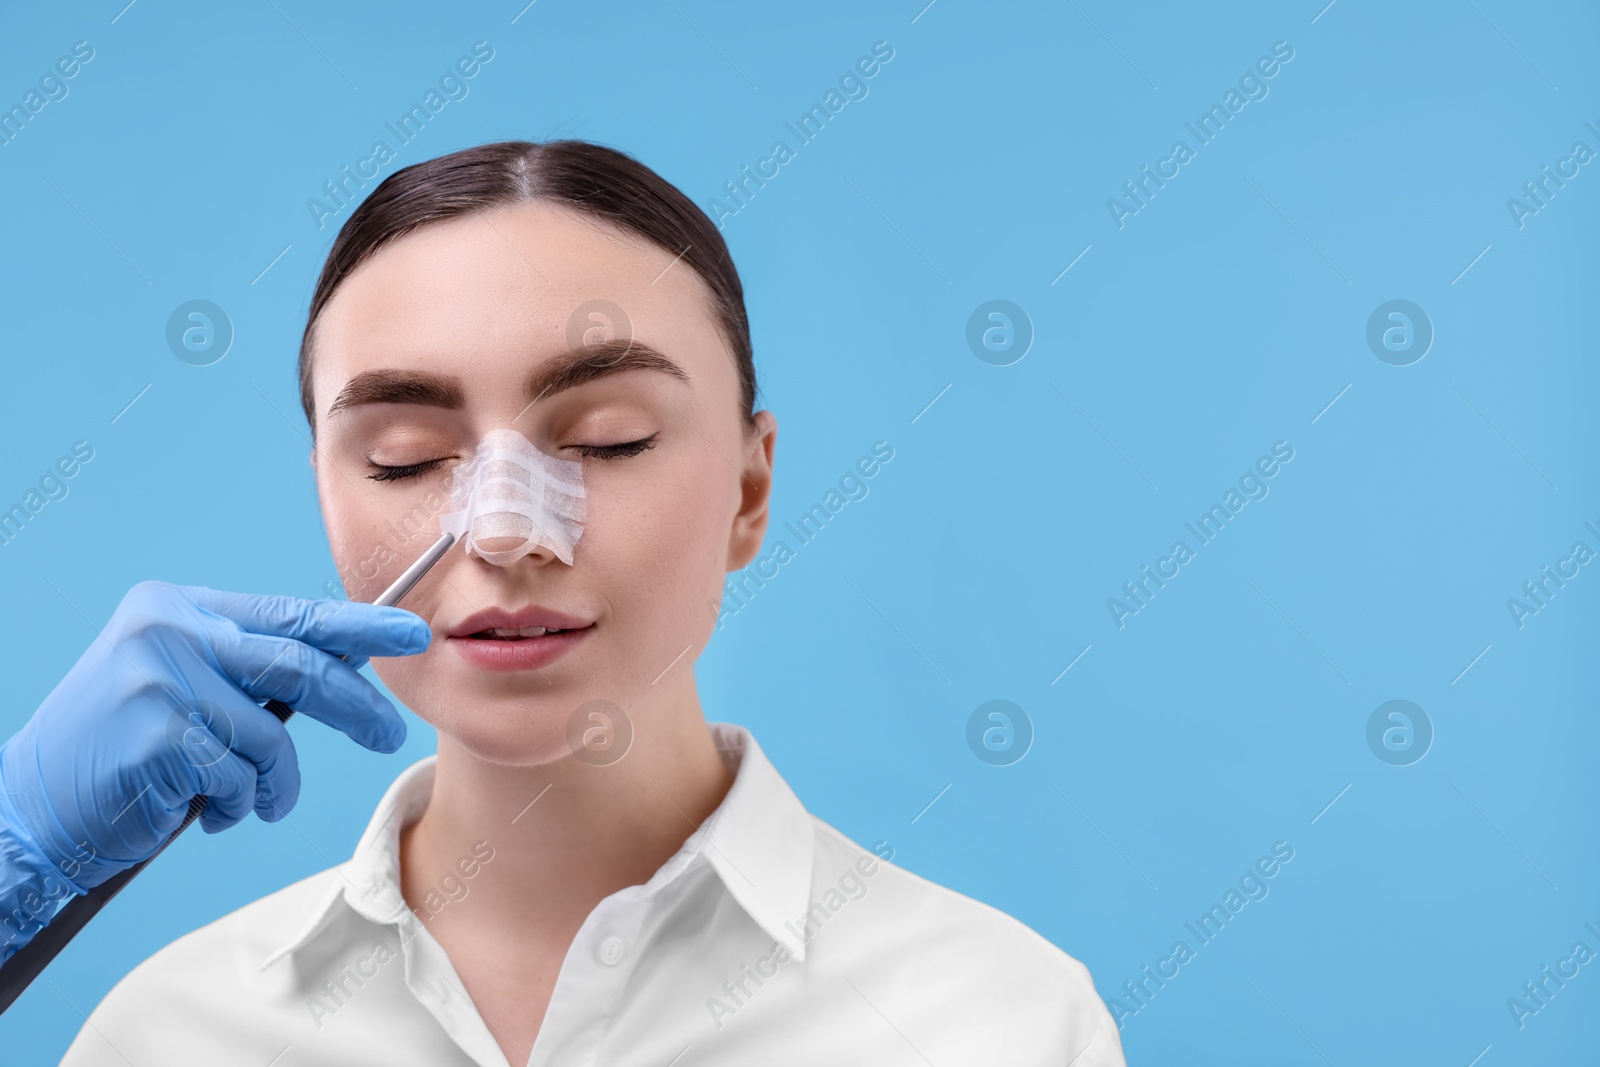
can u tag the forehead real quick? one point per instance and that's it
(483, 296)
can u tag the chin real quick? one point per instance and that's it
(515, 719)
(508, 736)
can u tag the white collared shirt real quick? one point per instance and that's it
(769, 938)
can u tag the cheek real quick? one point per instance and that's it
(695, 516)
(357, 538)
(662, 543)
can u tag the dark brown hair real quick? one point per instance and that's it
(589, 178)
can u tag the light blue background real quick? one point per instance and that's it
(1223, 317)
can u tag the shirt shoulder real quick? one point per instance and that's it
(194, 986)
(982, 980)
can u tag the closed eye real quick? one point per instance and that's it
(618, 451)
(382, 473)
(410, 470)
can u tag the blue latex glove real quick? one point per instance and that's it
(166, 706)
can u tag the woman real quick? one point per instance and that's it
(588, 871)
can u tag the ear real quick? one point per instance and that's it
(755, 485)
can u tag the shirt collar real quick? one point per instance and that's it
(758, 840)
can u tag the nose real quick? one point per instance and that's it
(517, 502)
(503, 538)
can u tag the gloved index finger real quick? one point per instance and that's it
(339, 627)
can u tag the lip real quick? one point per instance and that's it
(508, 619)
(523, 654)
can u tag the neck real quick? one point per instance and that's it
(564, 834)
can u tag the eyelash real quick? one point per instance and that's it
(617, 451)
(410, 470)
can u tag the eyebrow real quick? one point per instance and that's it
(567, 371)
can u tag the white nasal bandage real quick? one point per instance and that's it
(511, 498)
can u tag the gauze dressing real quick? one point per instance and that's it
(513, 498)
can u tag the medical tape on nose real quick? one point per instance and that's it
(513, 499)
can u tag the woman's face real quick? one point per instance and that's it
(433, 342)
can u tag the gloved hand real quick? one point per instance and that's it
(165, 706)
